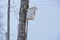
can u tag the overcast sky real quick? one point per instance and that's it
(46, 25)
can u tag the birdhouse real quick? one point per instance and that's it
(31, 13)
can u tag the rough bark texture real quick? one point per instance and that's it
(22, 34)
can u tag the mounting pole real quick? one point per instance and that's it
(22, 34)
(8, 21)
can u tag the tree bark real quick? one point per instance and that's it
(22, 34)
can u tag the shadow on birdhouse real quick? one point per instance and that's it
(31, 13)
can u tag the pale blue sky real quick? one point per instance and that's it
(46, 25)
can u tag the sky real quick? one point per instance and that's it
(46, 24)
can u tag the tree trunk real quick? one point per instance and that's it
(22, 34)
